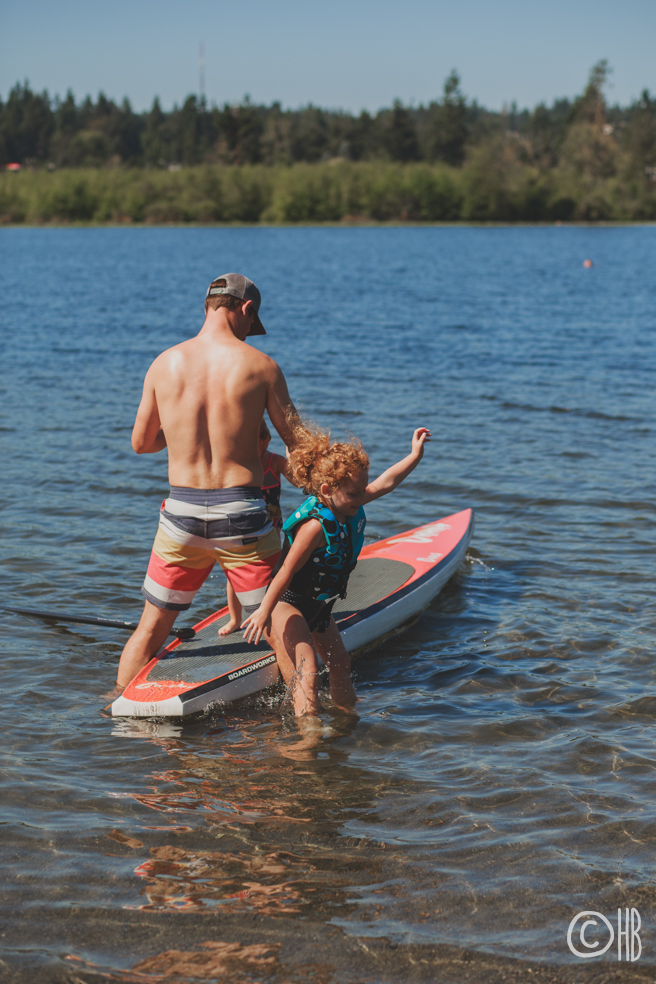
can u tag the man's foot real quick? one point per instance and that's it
(229, 627)
(113, 693)
(111, 696)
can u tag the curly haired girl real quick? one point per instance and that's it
(323, 538)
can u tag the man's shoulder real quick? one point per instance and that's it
(261, 361)
(174, 349)
(166, 359)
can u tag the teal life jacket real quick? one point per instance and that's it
(326, 573)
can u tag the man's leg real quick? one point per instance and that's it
(176, 570)
(147, 639)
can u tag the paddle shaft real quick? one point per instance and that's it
(184, 633)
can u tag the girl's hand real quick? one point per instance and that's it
(419, 438)
(255, 625)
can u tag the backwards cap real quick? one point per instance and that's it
(241, 287)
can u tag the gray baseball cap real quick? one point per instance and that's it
(243, 288)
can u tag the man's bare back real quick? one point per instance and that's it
(204, 399)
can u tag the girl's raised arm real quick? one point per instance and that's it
(393, 476)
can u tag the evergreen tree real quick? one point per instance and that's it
(400, 135)
(153, 137)
(248, 149)
(363, 137)
(276, 136)
(66, 126)
(309, 135)
(188, 132)
(449, 124)
(639, 138)
(228, 125)
(591, 106)
(26, 125)
(545, 129)
(590, 146)
(125, 130)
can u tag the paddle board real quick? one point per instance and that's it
(395, 579)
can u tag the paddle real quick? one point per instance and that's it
(186, 633)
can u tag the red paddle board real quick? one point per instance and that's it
(395, 579)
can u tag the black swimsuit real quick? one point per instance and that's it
(316, 613)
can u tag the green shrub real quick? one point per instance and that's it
(495, 185)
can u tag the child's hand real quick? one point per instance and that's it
(419, 438)
(255, 625)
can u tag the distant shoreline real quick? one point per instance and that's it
(602, 224)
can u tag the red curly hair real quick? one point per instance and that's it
(315, 461)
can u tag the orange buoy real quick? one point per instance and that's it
(587, 264)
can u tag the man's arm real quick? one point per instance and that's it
(147, 434)
(389, 480)
(282, 412)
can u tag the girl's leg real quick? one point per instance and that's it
(285, 665)
(235, 612)
(332, 651)
(292, 630)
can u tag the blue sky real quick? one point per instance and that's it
(350, 54)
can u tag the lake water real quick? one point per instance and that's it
(501, 777)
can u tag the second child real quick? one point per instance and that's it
(273, 466)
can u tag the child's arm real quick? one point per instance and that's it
(389, 480)
(309, 537)
(280, 465)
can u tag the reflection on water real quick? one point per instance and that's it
(500, 777)
(179, 879)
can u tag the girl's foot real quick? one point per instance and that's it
(229, 627)
(312, 731)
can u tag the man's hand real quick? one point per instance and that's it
(255, 625)
(419, 438)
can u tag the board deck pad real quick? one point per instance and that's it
(374, 578)
(209, 654)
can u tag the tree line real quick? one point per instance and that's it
(36, 130)
(449, 160)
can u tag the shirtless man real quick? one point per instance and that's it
(204, 400)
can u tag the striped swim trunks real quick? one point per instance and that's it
(200, 527)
